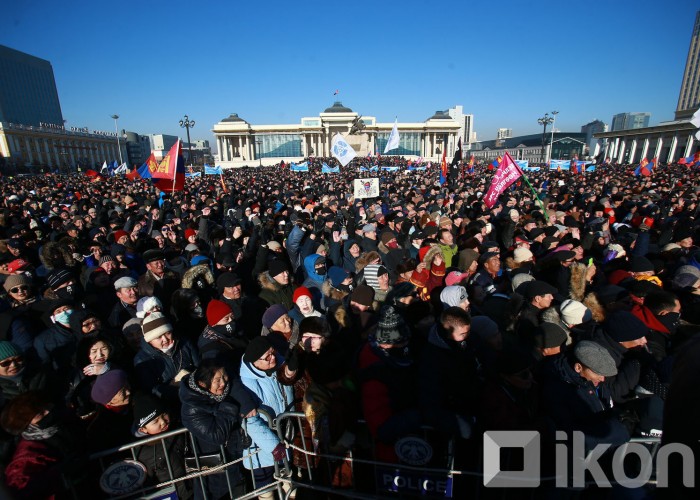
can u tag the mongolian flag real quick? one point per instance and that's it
(443, 168)
(496, 163)
(169, 175)
(642, 168)
(149, 166)
(133, 175)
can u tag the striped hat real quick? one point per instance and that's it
(155, 325)
(372, 273)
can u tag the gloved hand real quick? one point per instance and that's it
(279, 453)
(293, 360)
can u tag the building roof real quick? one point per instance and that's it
(338, 108)
(440, 115)
(233, 117)
(530, 140)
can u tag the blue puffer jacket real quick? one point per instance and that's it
(313, 281)
(275, 399)
(155, 369)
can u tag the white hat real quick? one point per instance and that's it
(522, 254)
(155, 325)
(574, 312)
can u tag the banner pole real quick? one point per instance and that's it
(544, 212)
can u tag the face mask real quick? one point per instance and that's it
(321, 271)
(671, 321)
(62, 317)
(197, 312)
(346, 288)
(225, 330)
(393, 245)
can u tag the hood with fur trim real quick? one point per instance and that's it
(267, 282)
(199, 271)
(365, 259)
(431, 254)
(577, 282)
(55, 255)
(329, 290)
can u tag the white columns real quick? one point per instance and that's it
(672, 151)
(659, 145)
(645, 148)
(689, 146)
(633, 149)
(621, 153)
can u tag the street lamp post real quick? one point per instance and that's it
(259, 145)
(116, 129)
(544, 121)
(188, 124)
(551, 142)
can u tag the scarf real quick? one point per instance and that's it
(34, 433)
(218, 398)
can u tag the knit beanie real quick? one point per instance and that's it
(119, 234)
(146, 408)
(363, 295)
(276, 267)
(391, 327)
(8, 350)
(548, 335)
(155, 325)
(57, 277)
(108, 385)
(484, 327)
(337, 275)
(623, 326)
(466, 257)
(14, 280)
(256, 349)
(272, 314)
(190, 232)
(372, 273)
(301, 291)
(387, 236)
(106, 258)
(217, 310)
(522, 254)
(574, 312)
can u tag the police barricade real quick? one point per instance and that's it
(126, 478)
(371, 478)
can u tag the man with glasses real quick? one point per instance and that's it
(16, 377)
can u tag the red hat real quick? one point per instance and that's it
(190, 232)
(16, 265)
(119, 234)
(299, 292)
(217, 310)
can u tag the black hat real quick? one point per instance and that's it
(640, 264)
(391, 327)
(537, 288)
(363, 295)
(146, 408)
(57, 277)
(564, 255)
(535, 233)
(623, 326)
(256, 348)
(227, 280)
(486, 256)
(277, 266)
(153, 255)
(549, 335)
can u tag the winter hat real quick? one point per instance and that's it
(274, 245)
(199, 259)
(125, 282)
(146, 305)
(216, 310)
(14, 280)
(57, 277)
(466, 258)
(684, 280)
(301, 291)
(256, 349)
(391, 327)
(153, 255)
(611, 293)
(369, 228)
(276, 267)
(272, 314)
(363, 295)
(574, 312)
(146, 408)
(108, 385)
(484, 327)
(8, 350)
(372, 274)
(548, 335)
(537, 288)
(119, 234)
(623, 326)
(227, 280)
(190, 232)
(453, 296)
(16, 265)
(399, 291)
(520, 282)
(337, 275)
(155, 325)
(639, 264)
(315, 325)
(387, 236)
(595, 357)
(455, 277)
(522, 254)
(19, 412)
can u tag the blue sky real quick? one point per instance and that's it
(506, 62)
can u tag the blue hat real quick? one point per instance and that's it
(337, 275)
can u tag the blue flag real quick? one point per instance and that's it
(325, 169)
(212, 170)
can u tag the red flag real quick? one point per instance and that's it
(92, 173)
(167, 168)
(443, 168)
(508, 172)
(133, 175)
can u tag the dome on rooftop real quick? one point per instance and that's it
(440, 115)
(233, 117)
(338, 108)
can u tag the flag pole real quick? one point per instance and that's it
(176, 160)
(544, 212)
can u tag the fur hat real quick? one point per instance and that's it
(19, 411)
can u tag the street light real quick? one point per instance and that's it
(259, 145)
(116, 129)
(551, 142)
(544, 121)
(188, 124)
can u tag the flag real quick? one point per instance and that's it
(508, 172)
(496, 163)
(133, 175)
(302, 167)
(642, 168)
(212, 170)
(149, 166)
(91, 173)
(221, 177)
(458, 154)
(103, 170)
(167, 168)
(393, 141)
(121, 169)
(336, 92)
(325, 169)
(341, 150)
(443, 168)
(471, 165)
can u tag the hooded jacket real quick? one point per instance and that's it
(274, 293)
(155, 369)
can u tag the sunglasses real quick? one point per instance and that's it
(5, 363)
(20, 288)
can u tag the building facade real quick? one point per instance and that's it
(689, 96)
(35, 148)
(466, 122)
(28, 93)
(504, 133)
(241, 143)
(566, 146)
(627, 121)
(594, 144)
(668, 141)
(138, 148)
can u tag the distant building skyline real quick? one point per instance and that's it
(689, 95)
(629, 121)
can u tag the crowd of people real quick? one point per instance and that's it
(127, 311)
